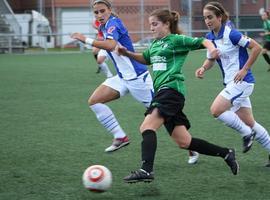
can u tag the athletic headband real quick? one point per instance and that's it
(107, 3)
(209, 5)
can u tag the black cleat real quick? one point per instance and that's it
(231, 161)
(139, 175)
(248, 141)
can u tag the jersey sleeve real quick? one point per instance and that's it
(190, 43)
(111, 30)
(238, 38)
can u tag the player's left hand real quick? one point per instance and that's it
(240, 76)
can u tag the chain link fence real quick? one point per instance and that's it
(243, 13)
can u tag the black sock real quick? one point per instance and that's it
(204, 147)
(149, 146)
(266, 57)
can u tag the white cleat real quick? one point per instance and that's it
(193, 157)
(117, 144)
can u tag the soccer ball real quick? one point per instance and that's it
(97, 178)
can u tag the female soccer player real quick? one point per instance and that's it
(132, 77)
(266, 26)
(167, 54)
(232, 106)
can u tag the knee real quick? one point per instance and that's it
(143, 127)
(184, 141)
(92, 101)
(147, 126)
(250, 123)
(183, 144)
(95, 50)
(99, 61)
(215, 112)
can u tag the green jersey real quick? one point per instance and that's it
(167, 56)
(266, 27)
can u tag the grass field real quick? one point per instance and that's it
(48, 136)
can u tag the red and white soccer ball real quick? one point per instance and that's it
(97, 178)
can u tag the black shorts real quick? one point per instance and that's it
(170, 104)
(266, 45)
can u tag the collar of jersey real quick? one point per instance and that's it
(104, 25)
(220, 34)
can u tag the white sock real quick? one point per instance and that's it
(230, 119)
(262, 136)
(104, 67)
(106, 117)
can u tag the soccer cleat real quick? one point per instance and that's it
(193, 157)
(248, 141)
(231, 161)
(139, 175)
(117, 144)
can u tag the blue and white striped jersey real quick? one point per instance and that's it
(126, 68)
(232, 45)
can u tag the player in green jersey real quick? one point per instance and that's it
(266, 47)
(167, 54)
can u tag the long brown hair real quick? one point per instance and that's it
(165, 15)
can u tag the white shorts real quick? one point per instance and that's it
(238, 94)
(140, 88)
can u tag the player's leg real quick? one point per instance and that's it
(266, 48)
(95, 54)
(139, 89)
(220, 109)
(148, 128)
(262, 135)
(184, 140)
(101, 58)
(108, 91)
(166, 104)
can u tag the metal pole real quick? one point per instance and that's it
(53, 14)
(190, 17)
(41, 7)
(10, 44)
(142, 19)
(237, 14)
